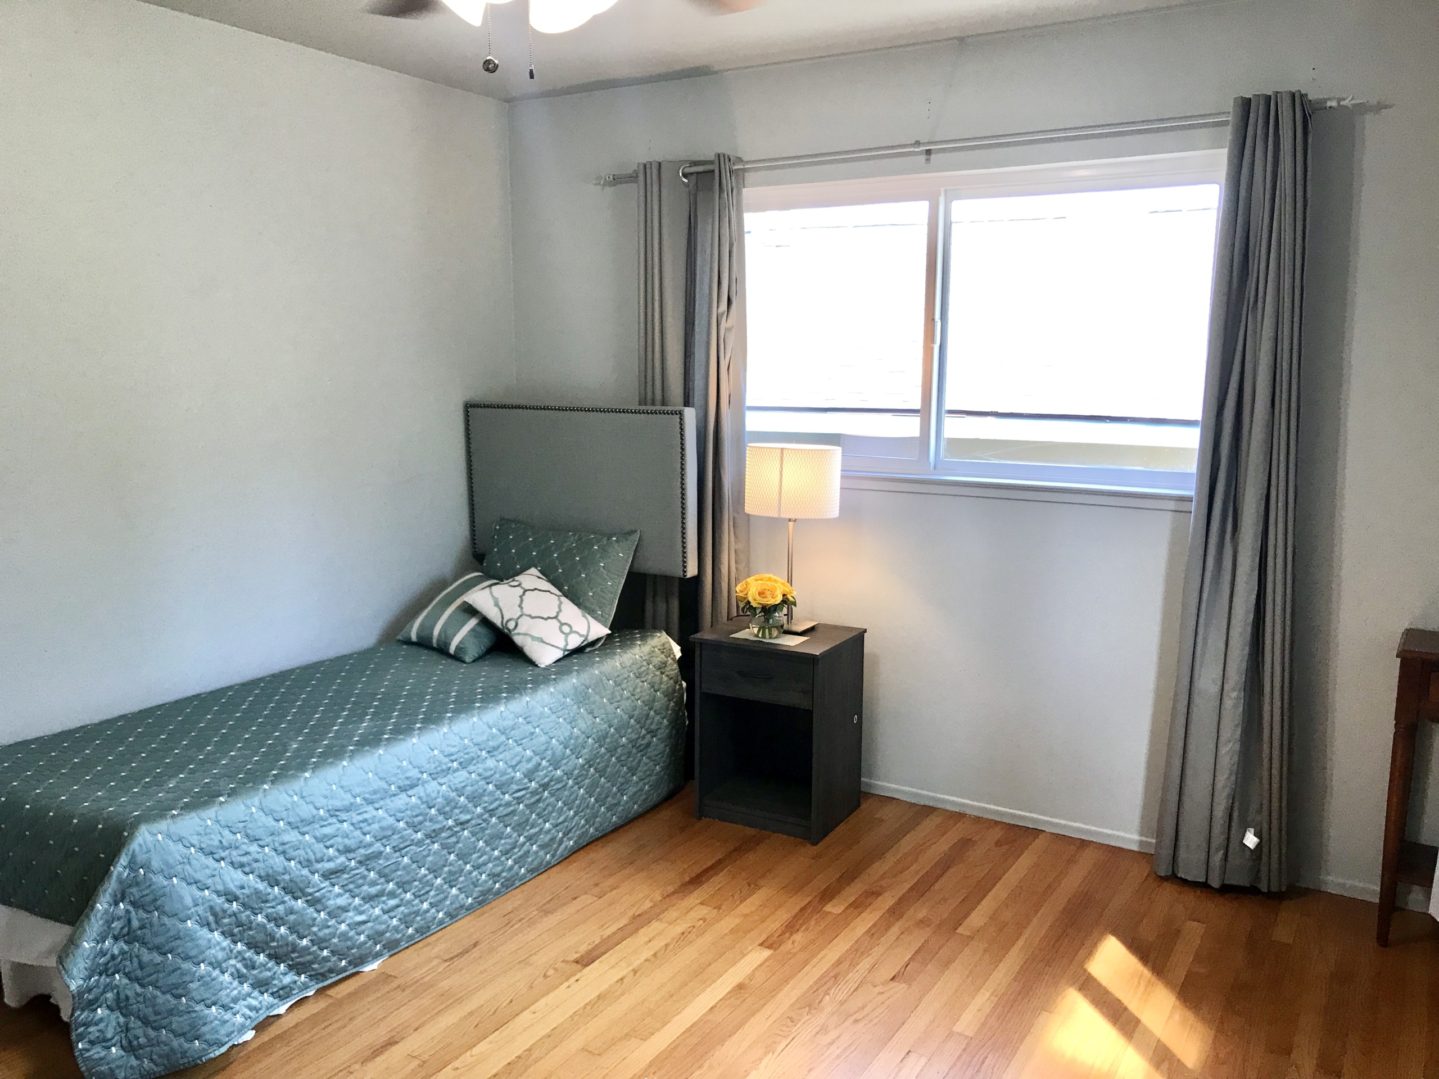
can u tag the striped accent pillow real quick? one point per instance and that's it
(452, 626)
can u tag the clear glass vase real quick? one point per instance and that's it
(767, 624)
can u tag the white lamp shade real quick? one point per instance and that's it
(792, 481)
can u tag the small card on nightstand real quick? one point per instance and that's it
(784, 638)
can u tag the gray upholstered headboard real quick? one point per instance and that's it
(595, 469)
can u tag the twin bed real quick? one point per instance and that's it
(202, 864)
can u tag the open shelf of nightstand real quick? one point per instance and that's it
(758, 763)
(783, 802)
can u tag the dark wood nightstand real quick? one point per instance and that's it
(777, 729)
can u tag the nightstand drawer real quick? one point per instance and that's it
(770, 676)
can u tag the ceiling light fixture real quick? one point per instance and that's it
(546, 16)
(472, 11)
(560, 16)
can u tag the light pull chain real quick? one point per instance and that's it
(490, 64)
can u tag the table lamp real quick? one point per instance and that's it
(792, 481)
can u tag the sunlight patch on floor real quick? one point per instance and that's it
(1076, 1038)
(1079, 1040)
(1151, 1001)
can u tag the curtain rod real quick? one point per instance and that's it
(978, 142)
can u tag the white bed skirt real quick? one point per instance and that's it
(29, 953)
(29, 962)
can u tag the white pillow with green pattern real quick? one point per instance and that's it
(588, 567)
(536, 616)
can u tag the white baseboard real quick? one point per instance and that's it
(1353, 889)
(1409, 898)
(1010, 816)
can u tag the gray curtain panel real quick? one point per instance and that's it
(717, 376)
(692, 352)
(1228, 762)
(664, 215)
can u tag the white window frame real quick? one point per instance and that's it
(941, 190)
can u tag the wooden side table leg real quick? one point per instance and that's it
(1401, 774)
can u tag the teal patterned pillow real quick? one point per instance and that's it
(452, 626)
(588, 567)
(534, 614)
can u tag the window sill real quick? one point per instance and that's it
(1018, 490)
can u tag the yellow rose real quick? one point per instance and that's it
(766, 594)
(786, 589)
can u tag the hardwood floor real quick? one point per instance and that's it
(912, 942)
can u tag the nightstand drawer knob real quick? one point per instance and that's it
(755, 676)
(856, 719)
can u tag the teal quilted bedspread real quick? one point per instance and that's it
(226, 854)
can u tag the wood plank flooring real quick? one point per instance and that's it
(912, 942)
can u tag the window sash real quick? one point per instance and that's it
(941, 191)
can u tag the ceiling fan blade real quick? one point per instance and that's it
(404, 9)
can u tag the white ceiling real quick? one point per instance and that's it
(634, 40)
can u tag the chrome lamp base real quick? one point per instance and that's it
(792, 624)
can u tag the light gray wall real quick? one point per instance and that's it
(244, 289)
(1019, 655)
(1023, 660)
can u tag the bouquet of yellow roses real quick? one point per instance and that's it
(764, 593)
